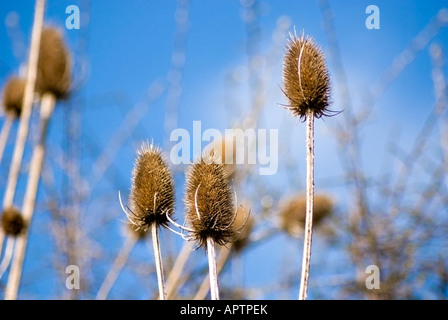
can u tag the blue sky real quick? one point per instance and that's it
(129, 46)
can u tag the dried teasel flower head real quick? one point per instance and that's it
(54, 69)
(13, 96)
(306, 78)
(293, 212)
(243, 225)
(152, 191)
(12, 221)
(208, 200)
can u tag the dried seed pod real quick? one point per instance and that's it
(293, 212)
(54, 67)
(12, 221)
(208, 202)
(306, 78)
(152, 192)
(13, 96)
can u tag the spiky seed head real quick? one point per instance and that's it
(152, 191)
(208, 202)
(13, 96)
(243, 225)
(306, 78)
(12, 221)
(54, 69)
(293, 212)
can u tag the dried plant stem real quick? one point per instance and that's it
(8, 255)
(172, 283)
(27, 104)
(118, 265)
(158, 261)
(2, 238)
(309, 205)
(223, 257)
(214, 290)
(5, 134)
(8, 197)
(46, 109)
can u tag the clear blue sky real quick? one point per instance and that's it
(130, 44)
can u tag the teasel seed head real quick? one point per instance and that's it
(54, 69)
(152, 191)
(293, 212)
(12, 221)
(208, 202)
(13, 96)
(306, 78)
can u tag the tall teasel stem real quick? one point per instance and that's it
(307, 87)
(6, 128)
(47, 106)
(53, 81)
(158, 261)
(12, 105)
(214, 289)
(22, 133)
(306, 257)
(152, 200)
